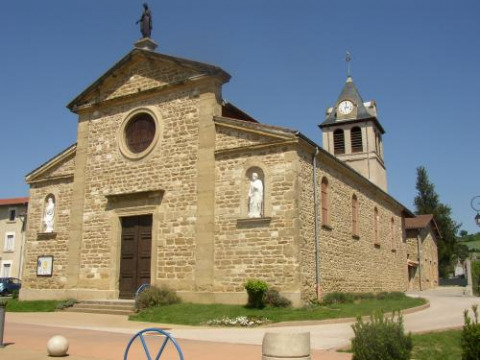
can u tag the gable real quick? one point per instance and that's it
(234, 134)
(142, 71)
(59, 167)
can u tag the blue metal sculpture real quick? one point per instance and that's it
(167, 336)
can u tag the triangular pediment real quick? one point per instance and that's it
(232, 133)
(60, 166)
(143, 71)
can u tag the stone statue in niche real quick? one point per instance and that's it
(49, 216)
(255, 197)
(146, 21)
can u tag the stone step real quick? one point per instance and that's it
(101, 311)
(104, 306)
(119, 307)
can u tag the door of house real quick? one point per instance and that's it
(136, 251)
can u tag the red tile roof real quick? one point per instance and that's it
(421, 222)
(14, 201)
(418, 222)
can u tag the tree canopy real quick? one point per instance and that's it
(427, 201)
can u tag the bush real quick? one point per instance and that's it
(381, 338)
(256, 290)
(154, 296)
(471, 336)
(337, 298)
(476, 277)
(273, 298)
(66, 304)
(15, 294)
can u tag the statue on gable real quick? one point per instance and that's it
(146, 21)
(255, 197)
(49, 215)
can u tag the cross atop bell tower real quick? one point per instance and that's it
(351, 131)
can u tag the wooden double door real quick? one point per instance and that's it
(136, 254)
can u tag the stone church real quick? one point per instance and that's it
(170, 184)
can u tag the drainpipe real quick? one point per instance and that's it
(315, 202)
(419, 249)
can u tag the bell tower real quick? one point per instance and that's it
(351, 131)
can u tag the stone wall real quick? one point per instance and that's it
(427, 270)
(360, 263)
(53, 244)
(265, 248)
(170, 167)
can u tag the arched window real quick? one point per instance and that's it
(338, 142)
(356, 135)
(392, 232)
(325, 203)
(354, 215)
(375, 226)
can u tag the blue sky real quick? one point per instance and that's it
(420, 60)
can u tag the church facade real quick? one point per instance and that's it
(169, 184)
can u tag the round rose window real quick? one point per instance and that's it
(140, 132)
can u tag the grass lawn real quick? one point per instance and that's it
(14, 305)
(443, 345)
(199, 314)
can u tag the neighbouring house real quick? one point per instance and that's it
(422, 254)
(12, 229)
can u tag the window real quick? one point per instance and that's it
(325, 203)
(354, 215)
(9, 244)
(140, 132)
(12, 214)
(6, 269)
(356, 135)
(392, 232)
(338, 142)
(375, 226)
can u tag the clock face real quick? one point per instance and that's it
(345, 107)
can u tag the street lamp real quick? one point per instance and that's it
(475, 204)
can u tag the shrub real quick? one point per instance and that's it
(273, 298)
(66, 304)
(15, 294)
(256, 290)
(337, 298)
(381, 338)
(476, 277)
(471, 336)
(154, 296)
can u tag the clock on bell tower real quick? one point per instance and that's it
(351, 131)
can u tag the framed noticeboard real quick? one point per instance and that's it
(44, 266)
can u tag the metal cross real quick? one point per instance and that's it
(348, 58)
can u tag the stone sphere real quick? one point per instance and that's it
(57, 346)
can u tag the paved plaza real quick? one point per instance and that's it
(93, 336)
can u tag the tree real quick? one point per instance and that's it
(427, 202)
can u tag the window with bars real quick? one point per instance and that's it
(356, 135)
(338, 142)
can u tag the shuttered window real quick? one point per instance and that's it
(357, 144)
(338, 142)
